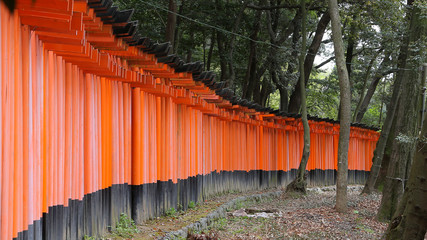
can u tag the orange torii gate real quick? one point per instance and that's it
(95, 122)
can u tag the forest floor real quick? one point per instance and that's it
(288, 216)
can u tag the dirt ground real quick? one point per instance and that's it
(304, 217)
(156, 228)
(289, 216)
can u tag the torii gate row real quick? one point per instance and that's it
(96, 121)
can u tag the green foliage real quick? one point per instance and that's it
(125, 227)
(180, 207)
(191, 205)
(86, 237)
(323, 96)
(373, 25)
(220, 224)
(171, 212)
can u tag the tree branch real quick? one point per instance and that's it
(289, 6)
(324, 62)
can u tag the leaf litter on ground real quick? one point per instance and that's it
(289, 216)
(310, 216)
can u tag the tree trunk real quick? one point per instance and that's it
(178, 34)
(300, 183)
(222, 57)
(371, 90)
(391, 110)
(295, 99)
(345, 100)
(403, 149)
(249, 82)
(210, 52)
(410, 219)
(171, 23)
(365, 83)
(226, 47)
(380, 181)
(190, 50)
(350, 48)
(283, 95)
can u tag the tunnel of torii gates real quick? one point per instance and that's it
(96, 121)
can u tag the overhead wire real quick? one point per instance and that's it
(237, 34)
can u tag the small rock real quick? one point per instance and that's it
(240, 213)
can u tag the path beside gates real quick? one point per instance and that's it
(286, 216)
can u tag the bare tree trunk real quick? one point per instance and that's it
(295, 99)
(345, 100)
(385, 131)
(171, 23)
(226, 47)
(371, 90)
(266, 89)
(350, 48)
(252, 59)
(388, 123)
(210, 52)
(410, 219)
(406, 123)
(283, 95)
(300, 183)
(365, 83)
(178, 33)
(190, 50)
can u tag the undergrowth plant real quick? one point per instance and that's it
(191, 205)
(125, 227)
(171, 212)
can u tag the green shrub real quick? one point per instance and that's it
(125, 227)
(171, 212)
(191, 205)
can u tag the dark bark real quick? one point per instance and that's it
(406, 123)
(276, 39)
(391, 111)
(345, 118)
(349, 56)
(178, 33)
(283, 95)
(171, 23)
(386, 129)
(410, 219)
(265, 92)
(300, 183)
(222, 56)
(190, 50)
(365, 83)
(370, 93)
(295, 99)
(333, 57)
(373, 86)
(350, 47)
(380, 181)
(210, 52)
(226, 47)
(250, 75)
(289, 6)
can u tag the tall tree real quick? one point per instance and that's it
(390, 118)
(295, 99)
(226, 46)
(171, 23)
(410, 219)
(406, 129)
(364, 100)
(345, 102)
(300, 183)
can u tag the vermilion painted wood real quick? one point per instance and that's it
(76, 119)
